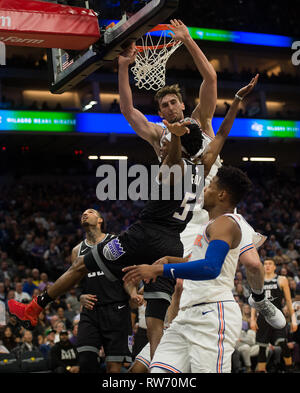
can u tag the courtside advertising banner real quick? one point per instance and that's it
(115, 123)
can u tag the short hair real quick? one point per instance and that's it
(235, 182)
(193, 141)
(272, 260)
(172, 89)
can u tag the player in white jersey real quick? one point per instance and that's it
(202, 337)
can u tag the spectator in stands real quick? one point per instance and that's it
(74, 334)
(72, 301)
(15, 328)
(8, 339)
(37, 252)
(21, 296)
(64, 356)
(273, 244)
(52, 258)
(25, 345)
(291, 252)
(44, 282)
(2, 292)
(27, 244)
(52, 232)
(36, 277)
(56, 304)
(29, 286)
(59, 326)
(48, 343)
(6, 272)
(62, 318)
(40, 329)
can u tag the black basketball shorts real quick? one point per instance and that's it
(108, 326)
(267, 334)
(140, 244)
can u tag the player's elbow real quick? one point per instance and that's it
(214, 272)
(126, 109)
(213, 75)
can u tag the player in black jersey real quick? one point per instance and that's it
(277, 291)
(105, 319)
(149, 239)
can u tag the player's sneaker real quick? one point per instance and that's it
(26, 314)
(271, 313)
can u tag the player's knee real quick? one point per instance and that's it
(113, 367)
(89, 362)
(156, 309)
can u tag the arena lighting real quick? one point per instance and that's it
(93, 157)
(238, 37)
(89, 105)
(113, 157)
(245, 159)
(263, 159)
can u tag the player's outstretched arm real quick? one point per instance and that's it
(149, 131)
(224, 234)
(212, 151)
(205, 110)
(174, 156)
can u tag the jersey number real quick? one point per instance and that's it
(188, 197)
(268, 293)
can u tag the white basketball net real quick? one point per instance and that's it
(149, 69)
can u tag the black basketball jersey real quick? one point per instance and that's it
(95, 283)
(173, 205)
(273, 292)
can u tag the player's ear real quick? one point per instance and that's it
(222, 194)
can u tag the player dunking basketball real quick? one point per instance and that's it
(171, 107)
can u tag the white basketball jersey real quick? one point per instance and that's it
(200, 216)
(219, 289)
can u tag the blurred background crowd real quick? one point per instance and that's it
(40, 224)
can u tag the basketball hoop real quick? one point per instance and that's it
(149, 69)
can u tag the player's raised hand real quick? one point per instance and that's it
(179, 128)
(247, 89)
(128, 56)
(142, 272)
(179, 30)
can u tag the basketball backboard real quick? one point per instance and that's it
(67, 69)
